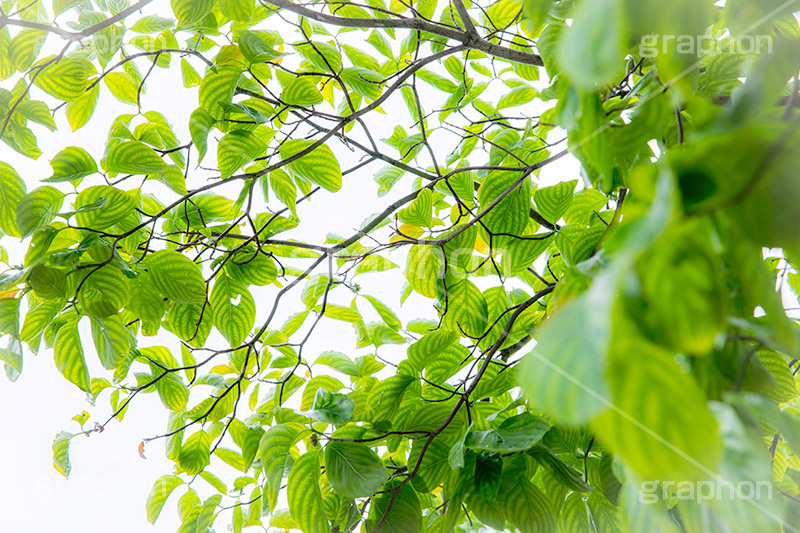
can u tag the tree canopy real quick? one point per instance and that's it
(577, 341)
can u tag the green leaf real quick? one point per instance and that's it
(206, 515)
(559, 470)
(420, 212)
(554, 201)
(161, 490)
(132, 157)
(405, 515)
(516, 97)
(374, 263)
(388, 316)
(314, 289)
(72, 164)
(24, 48)
(112, 340)
(177, 277)
(218, 85)
(487, 511)
(189, 12)
(591, 50)
(69, 356)
(273, 451)
(338, 312)
(528, 509)
(80, 110)
(766, 411)
(123, 86)
(233, 320)
(200, 124)
(61, 453)
(353, 469)
(251, 267)
(565, 374)
(488, 474)
(284, 189)
(577, 243)
(426, 349)
(424, 266)
(237, 10)
(190, 76)
(785, 387)
(237, 149)
(153, 24)
(65, 79)
(254, 49)
(194, 455)
(575, 515)
(331, 407)
(47, 282)
(385, 398)
(363, 81)
(37, 319)
(37, 209)
(537, 10)
(339, 362)
(318, 166)
(325, 57)
(12, 189)
(517, 433)
(101, 206)
(466, 309)
(38, 112)
(304, 495)
(104, 291)
(511, 214)
(660, 423)
(190, 322)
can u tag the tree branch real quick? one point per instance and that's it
(468, 39)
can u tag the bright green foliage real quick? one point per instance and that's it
(504, 341)
(353, 469)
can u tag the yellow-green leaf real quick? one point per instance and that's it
(71, 164)
(424, 266)
(65, 79)
(554, 201)
(233, 320)
(305, 497)
(104, 291)
(218, 86)
(101, 206)
(132, 157)
(161, 490)
(61, 453)
(24, 47)
(190, 11)
(177, 277)
(80, 110)
(195, 453)
(236, 149)
(12, 189)
(37, 209)
(318, 166)
(302, 92)
(122, 86)
(353, 469)
(69, 356)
